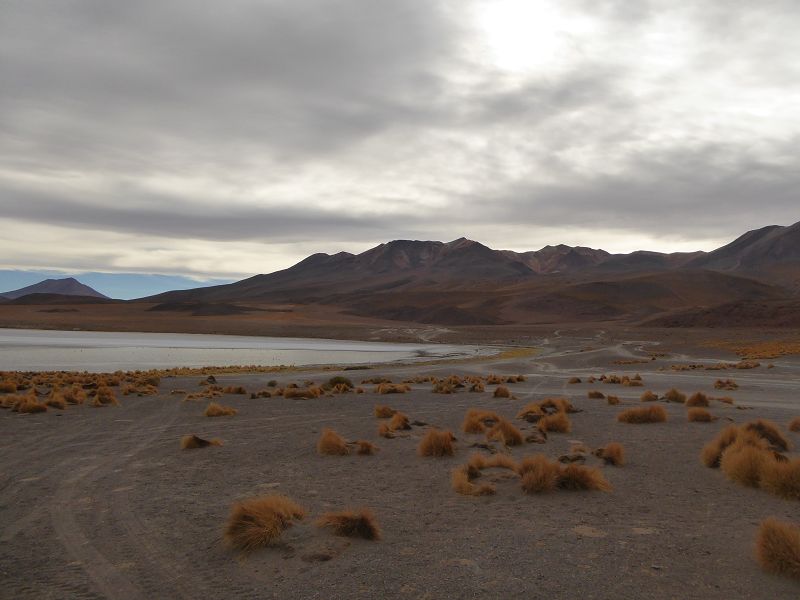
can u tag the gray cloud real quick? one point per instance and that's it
(335, 122)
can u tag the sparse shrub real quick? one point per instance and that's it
(673, 395)
(649, 396)
(476, 420)
(644, 414)
(502, 391)
(340, 380)
(506, 433)
(477, 387)
(399, 422)
(558, 422)
(238, 389)
(190, 442)
(697, 399)
(331, 443)
(257, 522)
(612, 453)
(699, 415)
(392, 388)
(460, 480)
(612, 400)
(437, 443)
(782, 479)
(726, 384)
(778, 548)
(219, 410)
(794, 425)
(595, 395)
(574, 380)
(384, 412)
(366, 448)
(352, 523)
(272, 383)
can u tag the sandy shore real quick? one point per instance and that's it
(102, 503)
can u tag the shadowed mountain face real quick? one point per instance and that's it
(55, 287)
(466, 283)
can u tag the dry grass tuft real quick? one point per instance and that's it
(644, 414)
(306, 393)
(56, 400)
(595, 395)
(502, 391)
(574, 380)
(726, 384)
(352, 523)
(712, 452)
(558, 422)
(399, 422)
(392, 388)
(612, 400)
(219, 410)
(8, 387)
(505, 432)
(578, 477)
(28, 405)
(477, 420)
(384, 431)
(257, 522)
(237, 389)
(697, 399)
(769, 431)
(190, 442)
(557, 405)
(460, 480)
(782, 479)
(699, 415)
(331, 443)
(612, 453)
(531, 412)
(673, 395)
(539, 474)
(366, 448)
(649, 396)
(744, 463)
(500, 461)
(794, 425)
(105, 397)
(437, 443)
(384, 412)
(778, 548)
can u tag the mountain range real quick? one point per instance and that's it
(754, 280)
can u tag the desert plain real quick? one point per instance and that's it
(104, 503)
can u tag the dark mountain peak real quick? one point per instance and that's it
(757, 249)
(68, 286)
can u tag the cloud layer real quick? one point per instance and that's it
(223, 140)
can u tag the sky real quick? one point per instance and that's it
(217, 140)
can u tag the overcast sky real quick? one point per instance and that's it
(224, 139)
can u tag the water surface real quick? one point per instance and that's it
(45, 350)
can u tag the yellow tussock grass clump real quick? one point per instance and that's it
(578, 478)
(366, 448)
(331, 443)
(574, 380)
(392, 388)
(190, 442)
(505, 432)
(8, 387)
(460, 481)
(258, 522)
(477, 420)
(782, 479)
(699, 415)
(399, 422)
(105, 397)
(539, 474)
(744, 463)
(500, 461)
(437, 443)
(531, 412)
(778, 548)
(673, 395)
(726, 384)
(502, 391)
(769, 431)
(712, 452)
(612, 453)
(219, 410)
(384, 431)
(648, 414)
(595, 394)
(384, 412)
(74, 395)
(477, 387)
(648, 396)
(28, 405)
(558, 405)
(306, 393)
(56, 400)
(558, 422)
(697, 399)
(234, 389)
(794, 425)
(352, 523)
(612, 400)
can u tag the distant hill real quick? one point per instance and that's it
(68, 286)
